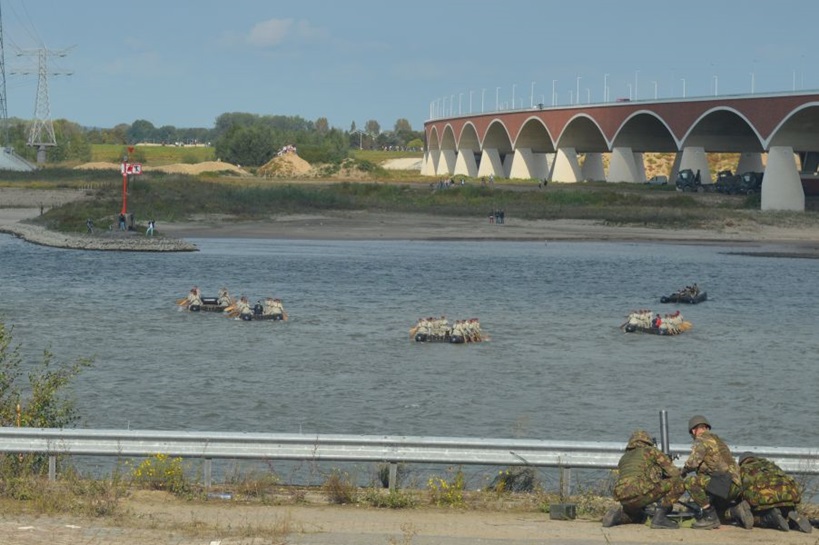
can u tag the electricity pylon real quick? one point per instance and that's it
(41, 134)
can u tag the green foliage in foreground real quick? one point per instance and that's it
(34, 397)
(174, 197)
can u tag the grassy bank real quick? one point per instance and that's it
(169, 198)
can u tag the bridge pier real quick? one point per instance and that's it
(695, 159)
(750, 162)
(429, 166)
(782, 185)
(566, 168)
(527, 165)
(593, 167)
(490, 164)
(446, 164)
(465, 163)
(623, 166)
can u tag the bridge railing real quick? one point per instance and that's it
(329, 448)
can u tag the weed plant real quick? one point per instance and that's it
(340, 488)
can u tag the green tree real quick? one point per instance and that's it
(322, 125)
(403, 125)
(72, 143)
(372, 128)
(247, 145)
(43, 400)
(140, 131)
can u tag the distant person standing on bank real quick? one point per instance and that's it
(150, 231)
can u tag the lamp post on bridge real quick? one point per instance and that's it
(577, 95)
(483, 94)
(554, 98)
(513, 95)
(683, 82)
(532, 96)
(605, 87)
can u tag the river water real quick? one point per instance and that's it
(557, 366)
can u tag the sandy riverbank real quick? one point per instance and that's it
(18, 205)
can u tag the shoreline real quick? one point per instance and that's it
(364, 226)
(19, 205)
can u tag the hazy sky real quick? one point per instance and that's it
(184, 62)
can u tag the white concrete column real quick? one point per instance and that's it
(521, 165)
(695, 159)
(507, 164)
(566, 167)
(446, 164)
(675, 168)
(540, 166)
(593, 167)
(750, 162)
(781, 185)
(622, 167)
(490, 163)
(429, 166)
(465, 163)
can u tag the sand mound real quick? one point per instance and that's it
(200, 168)
(179, 168)
(288, 164)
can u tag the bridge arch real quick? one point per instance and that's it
(521, 143)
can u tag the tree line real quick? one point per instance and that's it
(242, 138)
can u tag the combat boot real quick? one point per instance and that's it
(614, 516)
(660, 520)
(741, 513)
(800, 522)
(772, 518)
(709, 520)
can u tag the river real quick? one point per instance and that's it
(557, 365)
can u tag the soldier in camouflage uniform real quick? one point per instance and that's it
(645, 475)
(716, 477)
(772, 494)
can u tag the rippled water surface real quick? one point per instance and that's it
(557, 366)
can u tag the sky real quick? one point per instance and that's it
(185, 62)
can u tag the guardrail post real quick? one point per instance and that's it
(565, 482)
(207, 471)
(52, 468)
(393, 478)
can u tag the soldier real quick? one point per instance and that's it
(243, 306)
(194, 297)
(716, 479)
(223, 298)
(772, 494)
(646, 475)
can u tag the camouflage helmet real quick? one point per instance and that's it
(746, 456)
(696, 420)
(639, 437)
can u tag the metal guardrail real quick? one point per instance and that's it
(353, 448)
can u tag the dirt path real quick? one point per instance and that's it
(155, 519)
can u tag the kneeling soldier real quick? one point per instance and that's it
(646, 475)
(772, 494)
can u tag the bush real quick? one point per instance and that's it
(44, 404)
(339, 488)
(447, 493)
(161, 472)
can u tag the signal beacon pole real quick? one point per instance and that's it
(125, 182)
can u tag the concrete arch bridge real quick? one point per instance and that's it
(777, 134)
